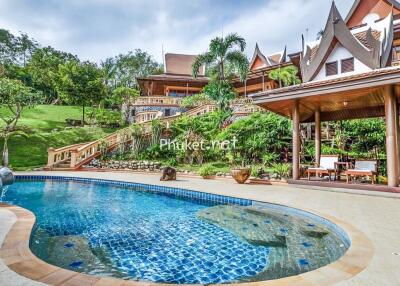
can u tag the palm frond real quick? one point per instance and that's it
(203, 59)
(233, 40)
(240, 63)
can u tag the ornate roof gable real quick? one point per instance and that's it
(258, 55)
(391, 4)
(335, 32)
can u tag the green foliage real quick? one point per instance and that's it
(123, 69)
(222, 92)
(366, 135)
(256, 135)
(80, 84)
(270, 158)
(196, 100)
(43, 68)
(286, 75)
(207, 171)
(15, 49)
(223, 59)
(281, 170)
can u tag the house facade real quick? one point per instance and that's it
(161, 95)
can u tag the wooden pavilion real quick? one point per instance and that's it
(352, 72)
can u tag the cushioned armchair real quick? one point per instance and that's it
(326, 166)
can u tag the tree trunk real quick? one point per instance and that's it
(5, 152)
(83, 115)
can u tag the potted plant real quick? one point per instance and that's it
(241, 174)
(208, 171)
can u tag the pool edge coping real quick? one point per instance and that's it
(16, 254)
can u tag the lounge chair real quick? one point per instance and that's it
(326, 166)
(363, 168)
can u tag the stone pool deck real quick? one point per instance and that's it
(372, 218)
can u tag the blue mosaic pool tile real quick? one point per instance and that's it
(303, 262)
(76, 264)
(177, 192)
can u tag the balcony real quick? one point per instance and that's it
(156, 101)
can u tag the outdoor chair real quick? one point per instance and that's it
(326, 166)
(363, 168)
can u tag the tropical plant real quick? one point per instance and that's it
(281, 170)
(124, 97)
(224, 58)
(196, 100)
(286, 76)
(222, 92)
(138, 138)
(207, 171)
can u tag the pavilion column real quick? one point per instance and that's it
(392, 120)
(317, 137)
(296, 140)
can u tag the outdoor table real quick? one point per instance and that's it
(338, 166)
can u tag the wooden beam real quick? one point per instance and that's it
(317, 137)
(296, 140)
(392, 120)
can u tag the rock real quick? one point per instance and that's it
(169, 174)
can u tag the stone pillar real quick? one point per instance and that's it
(392, 120)
(296, 140)
(317, 137)
(50, 156)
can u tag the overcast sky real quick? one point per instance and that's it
(97, 29)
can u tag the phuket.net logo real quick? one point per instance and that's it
(202, 145)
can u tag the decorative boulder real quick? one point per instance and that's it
(169, 174)
(6, 177)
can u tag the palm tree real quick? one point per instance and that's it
(287, 75)
(224, 58)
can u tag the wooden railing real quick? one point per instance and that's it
(157, 100)
(80, 154)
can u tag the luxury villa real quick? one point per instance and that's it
(351, 72)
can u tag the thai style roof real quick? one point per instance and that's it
(181, 64)
(379, 6)
(370, 44)
(260, 61)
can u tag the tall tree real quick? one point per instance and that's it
(224, 58)
(80, 84)
(123, 69)
(14, 97)
(43, 68)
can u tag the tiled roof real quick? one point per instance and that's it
(362, 37)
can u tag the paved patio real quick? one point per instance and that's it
(374, 214)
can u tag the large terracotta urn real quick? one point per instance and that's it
(241, 174)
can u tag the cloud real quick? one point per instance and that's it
(96, 29)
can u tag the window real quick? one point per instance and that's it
(348, 65)
(167, 112)
(331, 68)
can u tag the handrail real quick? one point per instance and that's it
(82, 153)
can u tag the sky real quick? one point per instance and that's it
(97, 29)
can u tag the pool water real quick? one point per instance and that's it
(108, 230)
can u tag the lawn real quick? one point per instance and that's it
(46, 127)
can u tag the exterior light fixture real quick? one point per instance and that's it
(345, 103)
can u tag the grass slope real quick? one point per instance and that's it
(45, 125)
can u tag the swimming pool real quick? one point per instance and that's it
(160, 234)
